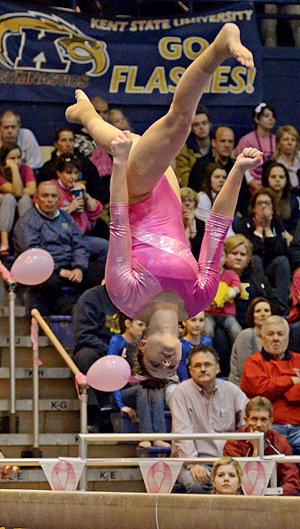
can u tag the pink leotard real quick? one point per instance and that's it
(148, 254)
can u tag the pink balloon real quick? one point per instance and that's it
(32, 267)
(109, 373)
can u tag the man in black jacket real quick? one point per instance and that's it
(221, 152)
(94, 323)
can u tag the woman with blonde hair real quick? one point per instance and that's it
(287, 153)
(227, 476)
(253, 282)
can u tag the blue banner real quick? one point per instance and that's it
(45, 54)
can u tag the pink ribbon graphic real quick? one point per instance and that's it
(70, 483)
(154, 481)
(258, 487)
(34, 339)
(5, 273)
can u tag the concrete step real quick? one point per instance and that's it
(44, 373)
(103, 475)
(50, 388)
(62, 445)
(49, 422)
(19, 310)
(24, 341)
(22, 325)
(44, 405)
(26, 439)
(47, 355)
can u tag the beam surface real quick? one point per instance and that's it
(106, 510)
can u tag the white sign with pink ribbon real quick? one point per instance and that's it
(159, 476)
(256, 476)
(63, 474)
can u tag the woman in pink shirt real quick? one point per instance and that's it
(264, 117)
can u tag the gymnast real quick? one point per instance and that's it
(151, 273)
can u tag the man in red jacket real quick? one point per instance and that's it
(259, 412)
(274, 372)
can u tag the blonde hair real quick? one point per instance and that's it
(227, 461)
(280, 132)
(236, 240)
(190, 194)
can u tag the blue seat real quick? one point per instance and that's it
(153, 451)
(62, 328)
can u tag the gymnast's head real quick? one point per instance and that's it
(160, 354)
(160, 348)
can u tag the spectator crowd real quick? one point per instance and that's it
(244, 346)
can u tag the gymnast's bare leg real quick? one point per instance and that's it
(154, 151)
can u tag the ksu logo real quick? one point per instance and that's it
(42, 42)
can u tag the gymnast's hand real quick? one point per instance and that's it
(250, 158)
(120, 147)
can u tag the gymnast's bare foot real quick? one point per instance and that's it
(83, 111)
(228, 42)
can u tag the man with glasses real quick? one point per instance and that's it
(204, 404)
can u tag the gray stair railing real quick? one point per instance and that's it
(80, 380)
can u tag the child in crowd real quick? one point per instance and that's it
(131, 332)
(17, 186)
(73, 198)
(126, 344)
(191, 336)
(222, 311)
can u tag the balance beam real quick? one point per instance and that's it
(111, 510)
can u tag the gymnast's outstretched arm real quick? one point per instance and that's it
(226, 200)
(219, 222)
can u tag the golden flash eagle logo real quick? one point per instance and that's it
(47, 43)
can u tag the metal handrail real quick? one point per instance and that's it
(82, 394)
(84, 439)
(9, 280)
